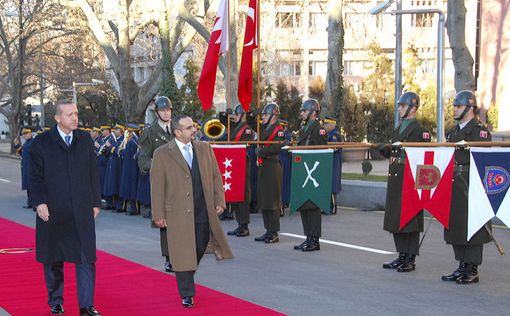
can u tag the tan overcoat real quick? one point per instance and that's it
(172, 199)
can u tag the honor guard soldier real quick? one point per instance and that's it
(334, 136)
(114, 169)
(468, 253)
(286, 163)
(407, 239)
(241, 131)
(154, 137)
(24, 152)
(143, 194)
(102, 158)
(130, 171)
(269, 177)
(310, 133)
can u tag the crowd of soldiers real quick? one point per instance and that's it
(124, 159)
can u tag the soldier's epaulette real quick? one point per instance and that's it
(483, 126)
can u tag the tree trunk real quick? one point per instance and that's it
(462, 59)
(331, 101)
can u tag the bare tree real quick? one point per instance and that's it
(462, 59)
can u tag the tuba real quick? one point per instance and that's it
(214, 129)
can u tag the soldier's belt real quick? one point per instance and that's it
(397, 160)
(461, 168)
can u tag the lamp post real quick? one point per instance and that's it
(94, 82)
(440, 64)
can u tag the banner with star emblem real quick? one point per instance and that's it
(311, 178)
(232, 164)
(427, 184)
(489, 179)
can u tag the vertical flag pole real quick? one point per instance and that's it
(228, 72)
(258, 70)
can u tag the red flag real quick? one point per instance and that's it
(218, 44)
(245, 84)
(428, 174)
(232, 164)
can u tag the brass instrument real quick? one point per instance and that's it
(124, 141)
(214, 129)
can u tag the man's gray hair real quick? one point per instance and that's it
(58, 105)
(175, 123)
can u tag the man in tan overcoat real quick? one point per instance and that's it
(187, 196)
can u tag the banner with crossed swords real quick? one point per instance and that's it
(311, 178)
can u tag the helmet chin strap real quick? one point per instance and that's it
(466, 109)
(161, 119)
(407, 112)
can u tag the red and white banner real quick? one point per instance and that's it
(218, 44)
(245, 84)
(232, 164)
(427, 184)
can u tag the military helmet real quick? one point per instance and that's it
(163, 103)
(238, 109)
(409, 98)
(311, 105)
(271, 109)
(465, 97)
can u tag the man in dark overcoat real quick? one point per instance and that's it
(406, 239)
(310, 133)
(468, 253)
(269, 178)
(154, 137)
(64, 183)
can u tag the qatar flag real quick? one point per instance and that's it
(218, 44)
(232, 164)
(428, 174)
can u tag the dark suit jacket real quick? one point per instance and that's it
(67, 180)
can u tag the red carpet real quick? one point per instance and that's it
(122, 287)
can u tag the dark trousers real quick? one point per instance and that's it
(468, 253)
(407, 242)
(242, 212)
(85, 282)
(271, 220)
(163, 242)
(185, 279)
(312, 221)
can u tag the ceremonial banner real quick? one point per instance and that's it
(488, 186)
(245, 84)
(218, 44)
(311, 178)
(232, 164)
(427, 184)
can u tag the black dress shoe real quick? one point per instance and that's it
(233, 232)
(272, 238)
(395, 263)
(312, 245)
(243, 232)
(262, 238)
(168, 267)
(301, 245)
(86, 311)
(455, 274)
(57, 309)
(409, 264)
(188, 301)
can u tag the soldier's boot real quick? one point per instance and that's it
(395, 263)
(409, 264)
(243, 231)
(272, 237)
(263, 237)
(234, 232)
(301, 245)
(470, 275)
(313, 245)
(455, 274)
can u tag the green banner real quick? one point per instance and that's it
(311, 179)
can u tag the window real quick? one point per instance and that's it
(353, 68)
(318, 68)
(421, 20)
(290, 69)
(318, 21)
(288, 20)
(355, 21)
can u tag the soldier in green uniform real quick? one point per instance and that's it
(468, 253)
(152, 138)
(241, 131)
(407, 238)
(269, 176)
(311, 133)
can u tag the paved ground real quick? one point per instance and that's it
(344, 278)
